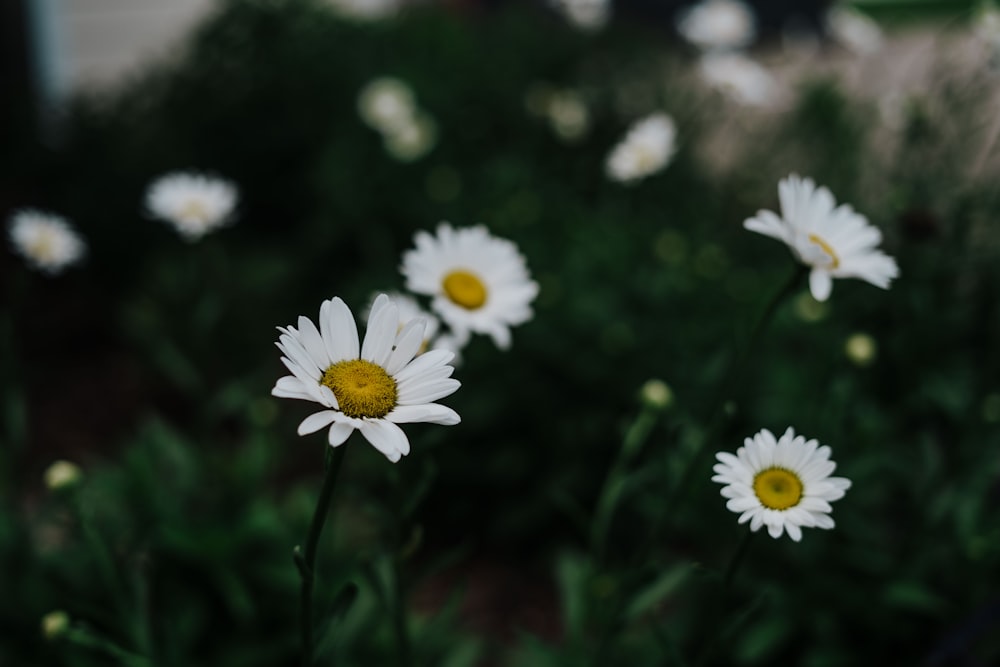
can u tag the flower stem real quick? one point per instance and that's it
(399, 624)
(306, 561)
(736, 560)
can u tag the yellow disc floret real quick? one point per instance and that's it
(362, 388)
(465, 289)
(777, 488)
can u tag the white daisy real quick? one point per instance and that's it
(585, 14)
(195, 204)
(740, 78)
(371, 387)
(46, 240)
(835, 241)
(479, 283)
(645, 150)
(718, 25)
(386, 103)
(854, 30)
(782, 484)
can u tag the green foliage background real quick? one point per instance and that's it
(151, 365)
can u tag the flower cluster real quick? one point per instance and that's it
(477, 283)
(388, 106)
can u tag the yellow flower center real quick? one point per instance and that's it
(465, 289)
(777, 488)
(193, 210)
(835, 261)
(363, 389)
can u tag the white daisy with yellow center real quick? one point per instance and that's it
(782, 484)
(835, 241)
(195, 204)
(46, 240)
(479, 283)
(645, 150)
(372, 386)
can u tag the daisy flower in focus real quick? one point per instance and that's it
(409, 310)
(479, 283)
(835, 241)
(783, 484)
(718, 25)
(195, 204)
(645, 150)
(740, 78)
(45, 240)
(371, 387)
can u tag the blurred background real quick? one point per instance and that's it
(150, 364)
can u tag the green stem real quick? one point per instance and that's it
(399, 624)
(712, 640)
(733, 375)
(84, 638)
(736, 560)
(614, 483)
(306, 561)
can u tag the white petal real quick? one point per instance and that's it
(431, 413)
(427, 393)
(312, 341)
(794, 532)
(386, 437)
(339, 432)
(290, 386)
(383, 322)
(342, 337)
(423, 363)
(820, 284)
(316, 421)
(408, 342)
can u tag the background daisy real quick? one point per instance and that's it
(782, 484)
(195, 204)
(645, 150)
(479, 283)
(45, 240)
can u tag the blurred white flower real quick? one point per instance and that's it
(854, 30)
(585, 14)
(388, 106)
(740, 78)
(386, 103)
(479, 283)
(986, 24)
(371, 387)
(195, 204)
(645, 150)
(565, 110)
(782, 484)
(45, 240)
(718, 25)
(412, 139)
(366, 10)
(835, 241)
(62, 475)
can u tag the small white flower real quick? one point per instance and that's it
(740, 78)
(413, 139)
(645, 150)
(46, 240)
(386, 103)
(366, 10)
(782, 484)
(586, 14)
(718, 25)
(835, 241)
(479, 283)
(371, 387)
(568, 115)
(195, 204)
(854, 30)
(861, 349)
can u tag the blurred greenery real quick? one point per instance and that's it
(151, 365)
